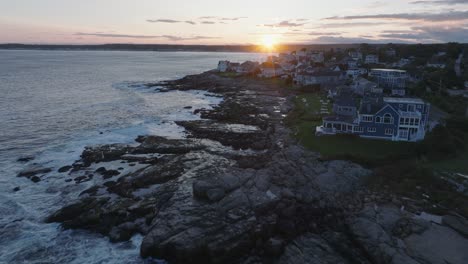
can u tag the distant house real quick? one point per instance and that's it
(248, 67)
(390, 52)
(352, 64)
(396, 119)
(270, 70)
(372, 59)
(356, 72)
(223, 66)
(345, 105)
(362, 86)
(389, 78)
(317, 57)
(355, 55)
(284, 57)
(435, 64)
(227, 66)
(319, 76)
(403, 62)
(398, 91)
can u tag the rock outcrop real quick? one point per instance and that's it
(239, 189)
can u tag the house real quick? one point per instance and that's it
(372, 59)
(355, 55)
(356, 72)
(396, 119)
(317, 57)
(284, 57)
(352, 64)
(248, 67)
(390, 52)
(403, 62)
(223, 66)
(287, 66)
(318, 76)
(398, 91)
(345, 105)
(270, 70)
(227, 66)
(389, 78)
(435, 64)
(437, 61)
(362, 86)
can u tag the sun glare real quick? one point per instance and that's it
(269, 41)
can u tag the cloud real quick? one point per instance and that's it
(431, 17)
(441, 2)
(232, 18)
(429, 34)
(222, 18)
(285, 23)
(170, 21)
(350, 24)
(168, 37)
(353, 40)
(208, 22)
(325, 33)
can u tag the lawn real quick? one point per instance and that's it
(307, 115)
(354, 147)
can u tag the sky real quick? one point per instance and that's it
(234, 22)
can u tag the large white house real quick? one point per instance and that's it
(389, 78)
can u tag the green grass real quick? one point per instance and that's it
(455, 165)
(306, 117)
(228, 74)
(369, 150)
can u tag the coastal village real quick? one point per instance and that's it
(367, 91)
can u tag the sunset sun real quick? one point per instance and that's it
(269, 41)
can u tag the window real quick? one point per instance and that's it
(378, 119)
(411, 108)
(416, 122)
(358, 129)
(371, 129)
(388, 119)
(411, 122)
(402, 120)
(389, 131)
(366, 118)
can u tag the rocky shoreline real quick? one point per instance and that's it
(239, 189)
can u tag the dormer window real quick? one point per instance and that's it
(388, 119)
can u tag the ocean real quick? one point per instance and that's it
(52, 105)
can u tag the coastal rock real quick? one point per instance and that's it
(64, 169)
(239, 188)
(25, 159)
(33, 171)
(310, 248)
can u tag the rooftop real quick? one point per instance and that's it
(389, 70)
(403, 100)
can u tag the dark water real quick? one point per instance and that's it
(52, 104)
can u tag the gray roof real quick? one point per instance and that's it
(371, 106)
(345, 101)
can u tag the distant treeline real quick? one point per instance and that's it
(168, 47)
(404, 48)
